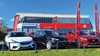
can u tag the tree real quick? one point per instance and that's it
(3, 27)
(2, 23)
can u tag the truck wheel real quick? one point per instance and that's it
(48, 45)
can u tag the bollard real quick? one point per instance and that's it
(58, 46)
(9, 46)
(3, 49)
(78, 44)
(35, 47)
(84, 47)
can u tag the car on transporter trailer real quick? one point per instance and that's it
(49, 38)
(18, 40)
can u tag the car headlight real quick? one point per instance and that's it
(83, 38)
(55, 39)
(14, 40)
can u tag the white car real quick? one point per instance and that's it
(18, 40)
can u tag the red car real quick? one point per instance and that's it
(84, 39)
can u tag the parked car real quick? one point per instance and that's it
(49, 38)
(94, 33)
(84, 38)
(18, 40)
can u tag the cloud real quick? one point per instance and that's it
(12, 19)
(1, 18)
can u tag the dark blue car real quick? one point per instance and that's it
(49, 38)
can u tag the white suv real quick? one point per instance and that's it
(18, 40)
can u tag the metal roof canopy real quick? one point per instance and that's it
(49, 15)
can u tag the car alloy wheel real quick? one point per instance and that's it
(49, 45)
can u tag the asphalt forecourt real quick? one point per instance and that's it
(62, 52)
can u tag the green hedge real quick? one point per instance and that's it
(2, 35)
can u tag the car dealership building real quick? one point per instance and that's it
(31, 22)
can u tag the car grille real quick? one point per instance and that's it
(93, 40)
(25, 43)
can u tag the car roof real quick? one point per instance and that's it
(45, 30)
(15, 31)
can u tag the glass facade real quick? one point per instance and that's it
(36, 20)
(66, 20)
(51, 20)
(64, 30)
(73, 20)
(19, 29)
(25, 30)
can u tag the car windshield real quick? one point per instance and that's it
(55, 33)
(51, 33)
(18, 34)
(83, 33)
(92, 33)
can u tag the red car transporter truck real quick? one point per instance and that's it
(82, 36)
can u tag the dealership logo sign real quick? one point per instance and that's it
(93, 40)
(84, 26)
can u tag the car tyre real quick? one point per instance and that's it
(5, 46)
(49, 45)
